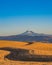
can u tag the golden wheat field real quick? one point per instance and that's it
(40, 48)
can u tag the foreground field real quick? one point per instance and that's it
(38, 48)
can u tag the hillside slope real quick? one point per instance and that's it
(9, 49)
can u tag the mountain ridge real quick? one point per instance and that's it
(31, 33)
(29, 36)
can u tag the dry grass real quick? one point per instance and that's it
(38, 47)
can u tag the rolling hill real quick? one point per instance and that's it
(15, 52)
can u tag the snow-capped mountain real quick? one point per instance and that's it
(29, 36)
(31, 33)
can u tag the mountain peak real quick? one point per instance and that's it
(29, 33)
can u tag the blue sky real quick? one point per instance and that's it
(17, 16)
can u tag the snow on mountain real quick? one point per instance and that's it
(31, 33)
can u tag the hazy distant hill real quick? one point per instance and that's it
(29, 36)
